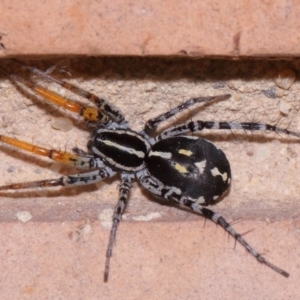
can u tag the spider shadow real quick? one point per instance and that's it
(216, 71)
(175, 68)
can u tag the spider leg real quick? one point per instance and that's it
(151, 124)
(123, 197)
(77, 161)
(103, 105)
(91, 114)
(174, 195)
(71, 180)
(194, 126)
(219, 220)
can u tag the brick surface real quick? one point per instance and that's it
(152, 260)
(194, 28)
(60, 252)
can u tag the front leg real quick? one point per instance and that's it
(78, 161)
(91, 114)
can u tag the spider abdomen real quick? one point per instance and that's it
(123, 150)
(194, 166)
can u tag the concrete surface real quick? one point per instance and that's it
(59, 252)
(193, 28)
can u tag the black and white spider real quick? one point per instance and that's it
(184, 169)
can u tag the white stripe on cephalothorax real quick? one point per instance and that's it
(139, 154)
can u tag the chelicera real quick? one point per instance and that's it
(183, 169)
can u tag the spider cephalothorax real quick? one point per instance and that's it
(183, 169)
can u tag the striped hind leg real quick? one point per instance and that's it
(219, 220)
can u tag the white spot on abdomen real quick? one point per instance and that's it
(200, 200)
(201, 165)
(215, 172)
(167, 155)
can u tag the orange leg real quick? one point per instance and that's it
(102, 104)
(33, 184)
(79, 162)
(66, 158)
(89, 113)
(92, 114)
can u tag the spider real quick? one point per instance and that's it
(185, 170)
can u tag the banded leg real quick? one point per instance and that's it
(77, 161)
(174, 195)
(108, 109)
(219, 220)
(153, 123)
(71, 180)
(195, 126)
(123, 197)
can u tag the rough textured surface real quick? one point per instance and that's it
(60, 250)
(157, 260)
(193, 28)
